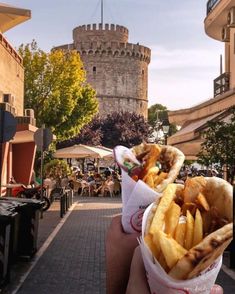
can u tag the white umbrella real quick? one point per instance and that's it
(83, 151)
(11, 16)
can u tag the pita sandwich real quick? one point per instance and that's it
(168, 158)
(215, 207)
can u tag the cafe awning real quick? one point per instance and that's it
(11, 16)
(83, 151)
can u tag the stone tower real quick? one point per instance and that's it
(116, 69)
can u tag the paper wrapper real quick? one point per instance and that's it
(161, 283)
(136, 197)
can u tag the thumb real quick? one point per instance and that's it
(216, 289)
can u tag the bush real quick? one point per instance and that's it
(57, 169)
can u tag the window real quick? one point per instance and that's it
(94, 69)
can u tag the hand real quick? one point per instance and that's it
(216, 289)
(137, 279)
(119, 251)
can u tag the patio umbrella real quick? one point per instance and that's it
(83, 151)
(11, 16)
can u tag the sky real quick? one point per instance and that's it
(184, 60)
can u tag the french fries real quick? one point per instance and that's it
(178, 225)
(189, 230)
(198, 228)
(149, 155)
(172, 219)
(180, 232)
(201, 199)
(171, 250)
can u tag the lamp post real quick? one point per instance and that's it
(165, 129)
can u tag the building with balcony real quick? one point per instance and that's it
(219, 24)
(17, 154)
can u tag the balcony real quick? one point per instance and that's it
(210, 5)
(217, 17)
(221, 84)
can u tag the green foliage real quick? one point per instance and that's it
(56, 169)
(124, 128)
(118, 128)
(157, 115)
(157, 112)
(55, 88)
(218, 147)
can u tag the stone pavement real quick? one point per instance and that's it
(74, 260)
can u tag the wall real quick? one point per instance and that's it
(11, 74)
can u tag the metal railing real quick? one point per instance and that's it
(221, 84)
(210, 5)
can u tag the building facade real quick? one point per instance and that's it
(17, 154)
(116, 69)
(219, 25)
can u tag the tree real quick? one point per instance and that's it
(157, 116)
(90, 134)
(157, 112)
(55, 88)
(124, 128)
(118, 128)
(218, 145)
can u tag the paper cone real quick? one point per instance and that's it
(161, 283)
(136, 197)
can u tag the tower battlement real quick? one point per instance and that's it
(114, 49)
(117, 69)
(95, 32)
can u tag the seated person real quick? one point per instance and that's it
(106, 186)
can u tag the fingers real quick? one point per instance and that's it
(216, 289)
(137, 279)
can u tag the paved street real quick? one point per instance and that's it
(72, 261)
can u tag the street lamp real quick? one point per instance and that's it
(165, 129)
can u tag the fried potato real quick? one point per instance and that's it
(150, 159)
(149, 241)
(149, 181)
(171, 250)
(152, 171)
(201, 199)
(189, 230)
(159, 178)
(180, 232)
(198, 228)
(156, 244)
(162, 261)
(189, 206)
(164, 204)
(172, 218)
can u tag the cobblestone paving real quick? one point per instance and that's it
(74, 261)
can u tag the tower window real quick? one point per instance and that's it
(94, 69)
(142, 71)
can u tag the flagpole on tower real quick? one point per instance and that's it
(102, 12)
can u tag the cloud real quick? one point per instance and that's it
(164, 58)
(181, 78)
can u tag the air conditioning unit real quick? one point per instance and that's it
(7, 98)
(225, 34)
(29, 112)
(231, 17)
